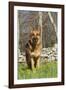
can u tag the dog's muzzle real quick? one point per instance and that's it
(35, 40)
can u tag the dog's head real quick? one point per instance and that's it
(35, 36)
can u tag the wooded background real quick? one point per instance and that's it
(46, 20)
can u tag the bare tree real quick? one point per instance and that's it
(40, 23)
(52, 21)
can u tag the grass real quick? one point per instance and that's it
(46, 70)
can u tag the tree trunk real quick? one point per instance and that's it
(52, 21)
(40, 23)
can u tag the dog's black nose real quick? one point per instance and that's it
(35, 39)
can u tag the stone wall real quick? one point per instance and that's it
(47, 54)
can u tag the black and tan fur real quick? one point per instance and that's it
(33, 49)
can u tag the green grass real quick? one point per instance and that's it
(46, 70)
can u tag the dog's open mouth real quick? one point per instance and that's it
(35, 40)
(34, 43)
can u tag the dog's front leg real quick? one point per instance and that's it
(32, 63)
(38, 63)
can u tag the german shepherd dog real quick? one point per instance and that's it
(33, 49)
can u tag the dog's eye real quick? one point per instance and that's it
(32, 34)
(37, 34)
